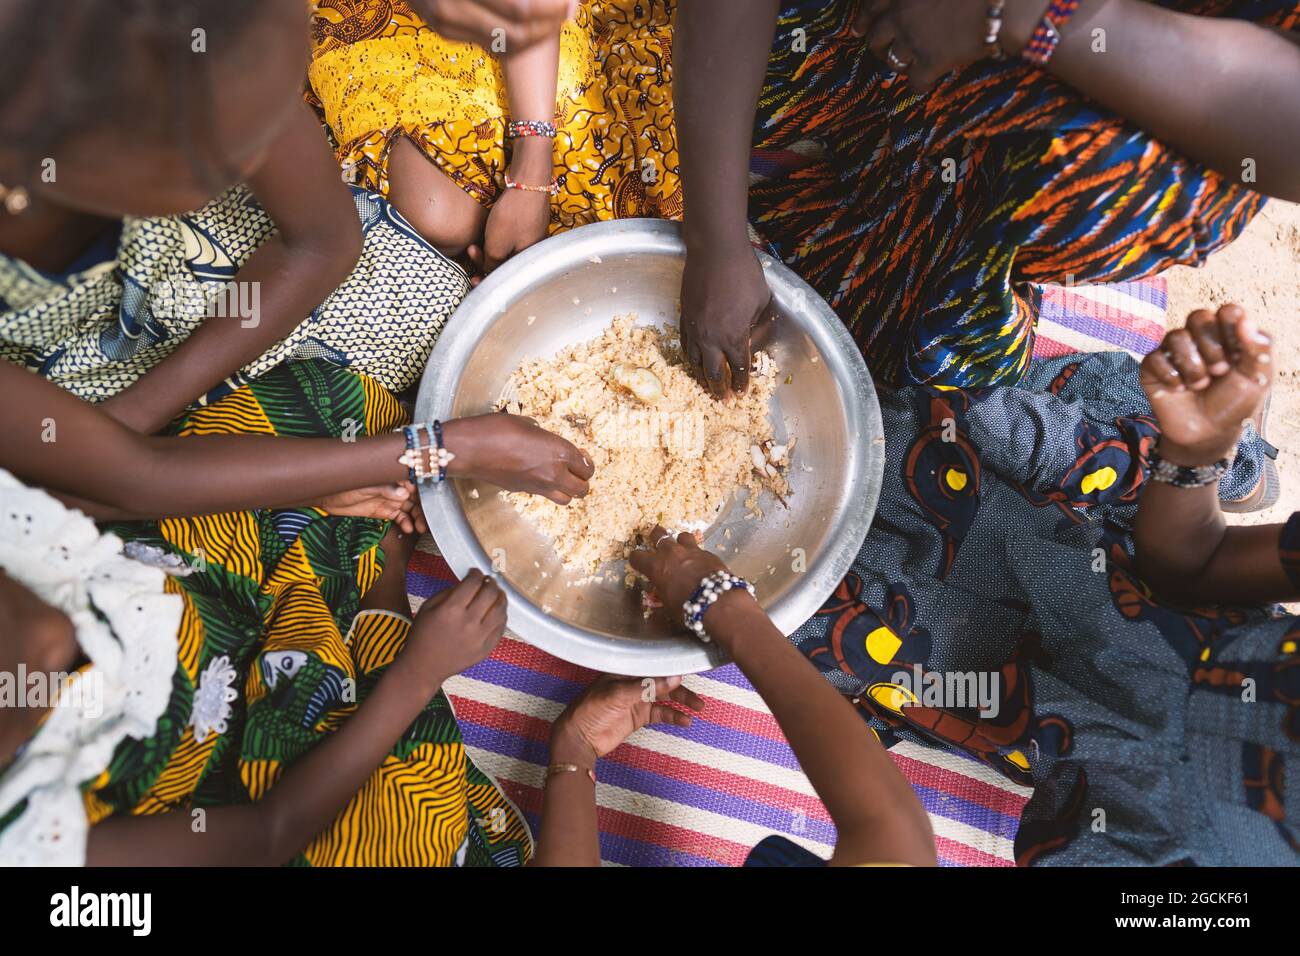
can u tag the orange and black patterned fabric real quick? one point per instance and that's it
(924, 219)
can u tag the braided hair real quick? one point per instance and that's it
(74, 66)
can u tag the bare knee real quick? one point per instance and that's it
(439, 210)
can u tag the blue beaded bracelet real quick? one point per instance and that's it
(703, 597)
(418, 453)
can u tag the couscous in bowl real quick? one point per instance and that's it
(568, 290)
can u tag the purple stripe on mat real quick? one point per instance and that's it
(703, 798)
(942, 803)
(702, 730)
(424, 585)
(524, 680)
(1096, 328)
(628, 852)
(1151, 292)
(729, 674)
(496, 741)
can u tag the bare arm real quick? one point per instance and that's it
(1202, 383)
(877, 815)
(67, 446)
(1220, 90)
(316, 245)
(569, 834)
(456, 629)
(720, 49)
(521, 217)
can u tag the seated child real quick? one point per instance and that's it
(485, 151)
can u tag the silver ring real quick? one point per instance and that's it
(664, 538)
(898, 64)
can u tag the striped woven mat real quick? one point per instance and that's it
(706, 795)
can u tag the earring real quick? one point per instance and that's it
(15, 199)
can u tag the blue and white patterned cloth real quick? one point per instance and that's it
(1001, 561)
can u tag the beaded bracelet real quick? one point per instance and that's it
(428, 460)
(552, 190)
(1047, 36)
(1182, 476)
(710, 589)
(993, 29)
(444, 456)
(517, 129)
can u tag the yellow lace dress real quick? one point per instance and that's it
(379, 72)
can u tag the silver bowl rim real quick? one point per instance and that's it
(460, 547)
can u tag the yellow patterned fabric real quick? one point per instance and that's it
(274, 655)
(379, 72)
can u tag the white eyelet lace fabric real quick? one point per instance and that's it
(126, 625)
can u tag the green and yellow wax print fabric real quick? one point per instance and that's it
(929, 220)
(100, 327)
(274, 657)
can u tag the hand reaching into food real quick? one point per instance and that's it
(1205, 381)
(724, 299)
(675, 564)
(875, 810)
(515, 453)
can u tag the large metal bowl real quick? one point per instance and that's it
(794, 558)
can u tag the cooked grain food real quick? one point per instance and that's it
(665, 451)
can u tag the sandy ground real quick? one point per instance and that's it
(1261, 273)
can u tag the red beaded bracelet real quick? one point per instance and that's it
(552, 190)
(518, 129)
(1047, 37)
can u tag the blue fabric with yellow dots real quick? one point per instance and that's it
(994, 609)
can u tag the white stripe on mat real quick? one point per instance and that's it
(973, 837)
(647, 738)
(1111, 298)
(962, 765)
(655, 809)
(728, 693)
(1076, 341)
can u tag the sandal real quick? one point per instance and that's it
(1269, 489)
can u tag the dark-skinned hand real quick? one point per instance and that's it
(725, 301)
(1205, 381)
(515, 453)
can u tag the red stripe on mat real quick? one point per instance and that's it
(949, 781)
(1113, 315)
(959, 853)
(639, 758)
(632, 827)
(1045, 348)
(725, 852)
